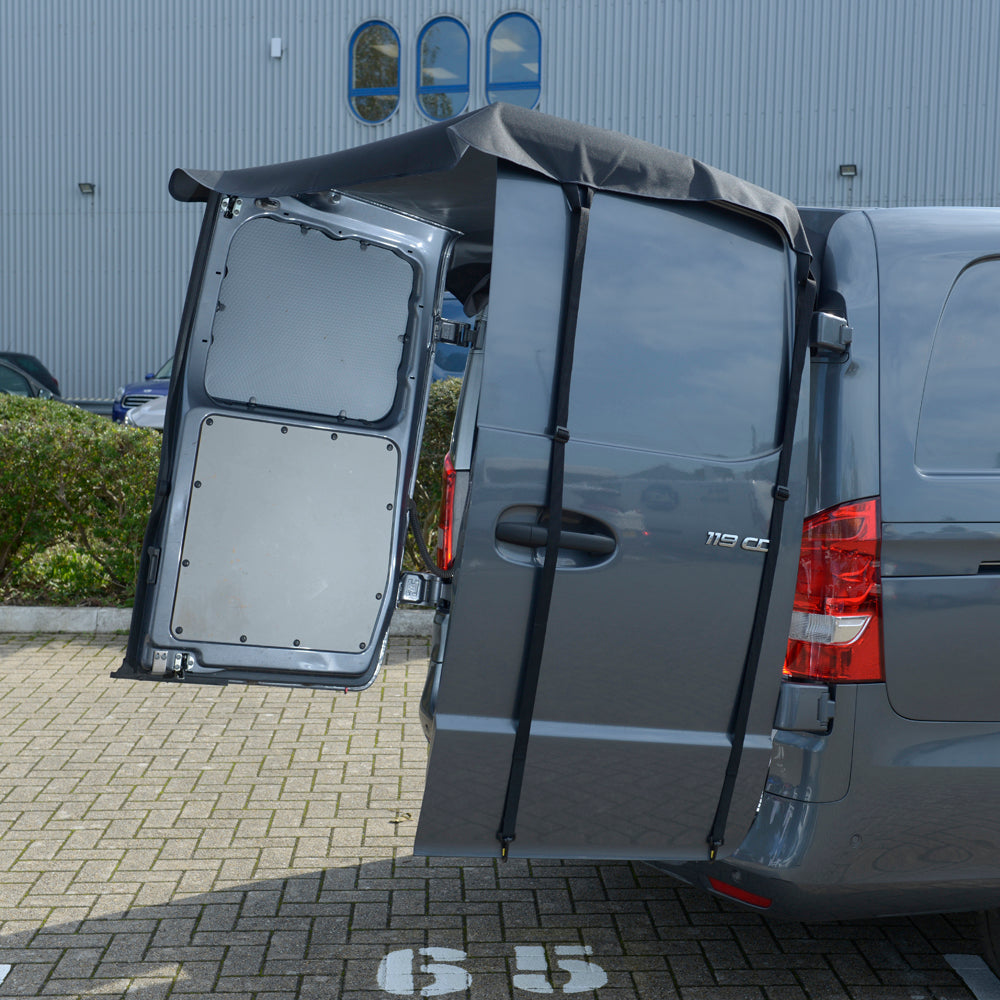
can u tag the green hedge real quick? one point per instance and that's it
(76, 491)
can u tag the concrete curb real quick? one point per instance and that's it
(22, 619)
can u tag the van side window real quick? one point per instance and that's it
(959, 428)
(683, 330)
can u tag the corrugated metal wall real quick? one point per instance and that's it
(117, 93)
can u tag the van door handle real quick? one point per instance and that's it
(536, 536)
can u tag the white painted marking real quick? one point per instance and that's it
(395, 973)
(977, 976)
(583, 976)
(4, 969)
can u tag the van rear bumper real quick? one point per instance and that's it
(917, 831)
(794, 856)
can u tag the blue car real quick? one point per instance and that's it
(136, 393)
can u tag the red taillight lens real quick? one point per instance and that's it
(446, 522)
(836, 632)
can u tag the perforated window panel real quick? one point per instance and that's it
(310, 323)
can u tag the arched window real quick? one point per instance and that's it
(374, 71)
(443, 68)
(513, 61)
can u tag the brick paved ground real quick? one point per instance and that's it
(171, 840)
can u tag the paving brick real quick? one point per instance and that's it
(183, 841)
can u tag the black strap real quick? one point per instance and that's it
(580, 199)
(800, 343)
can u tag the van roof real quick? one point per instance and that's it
(446, 172)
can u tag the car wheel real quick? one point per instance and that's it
(989, 938)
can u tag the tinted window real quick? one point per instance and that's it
(959, 428)
(682, 333)
(513, 61)
(443, 68)
(374, 85)
(12, 382)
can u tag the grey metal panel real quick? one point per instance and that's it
(843, 439)
(118, 93)
(299, 577)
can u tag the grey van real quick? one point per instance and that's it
(721, 555)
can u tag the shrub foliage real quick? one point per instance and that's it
(76, 491)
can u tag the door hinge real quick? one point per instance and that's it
(831, 333)
(460, 334)
(423, 589)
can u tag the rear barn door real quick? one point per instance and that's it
(293, 422)
(678, 390)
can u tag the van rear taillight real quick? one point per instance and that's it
(836, 631)
(446, 522)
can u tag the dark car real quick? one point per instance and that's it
(30, 364)
(15, 381)
(136, 393)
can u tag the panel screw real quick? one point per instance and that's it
(361, 645)
(179, 630)
(378, 597)
(295, 642)
(197, 484)
(388, 506)
(333, 437)
(209, 422)
(388, 447)
(243, 638)
(185, 562)
(284, 430)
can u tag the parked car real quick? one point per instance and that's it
(149, 414)
(694, 607)
(15, 381)
(136, 393)
(30, 364)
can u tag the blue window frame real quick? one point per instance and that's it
(373, 85)
(514, 61)
(443, 68)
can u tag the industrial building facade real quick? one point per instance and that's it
(834, 103)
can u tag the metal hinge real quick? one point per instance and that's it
(170, 663)
(419, 588)
(451, 332)
(831, 333)
(231, 206)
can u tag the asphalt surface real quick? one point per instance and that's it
(171, 840)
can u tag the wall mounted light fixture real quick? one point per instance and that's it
(86, 187)
(848, 170)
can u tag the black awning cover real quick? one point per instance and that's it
(446, 172)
